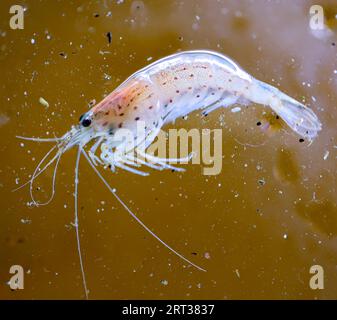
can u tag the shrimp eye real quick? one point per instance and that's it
(86, 122)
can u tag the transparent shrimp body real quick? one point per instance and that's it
(154, 96)
(176, 86)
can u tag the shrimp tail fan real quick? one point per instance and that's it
(297, 116)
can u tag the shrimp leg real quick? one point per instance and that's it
(132, 170)
(92, 151)
(161, 161)
(142, 162)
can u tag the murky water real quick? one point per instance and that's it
(257, 227)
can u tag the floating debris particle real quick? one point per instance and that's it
(164, 282)
(237, 273)
(107, 76)
(44, 102)
(104, 52)
(326, 155)
(25, 221)
(137, 6)
(207, 255)
(109, 36)
(261, 182)
(285, 236)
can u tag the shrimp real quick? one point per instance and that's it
(156, 95)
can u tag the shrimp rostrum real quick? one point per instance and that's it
(158, 94)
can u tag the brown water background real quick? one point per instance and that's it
(257, 227)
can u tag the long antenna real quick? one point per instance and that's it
(76, 224)
(135, 217)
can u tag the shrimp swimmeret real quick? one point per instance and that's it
(169, 88)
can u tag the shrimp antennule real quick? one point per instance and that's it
(42, 170)
(40, 139)
(64, 143)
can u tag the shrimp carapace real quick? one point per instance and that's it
(181, 83)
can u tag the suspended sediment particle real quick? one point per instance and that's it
(44, 102)
(109, 36)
